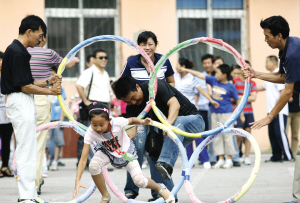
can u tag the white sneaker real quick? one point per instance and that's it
(247, 160)
(206, 165)
(228, 164)
(219, 164)
(53, 166)
(241, 160)
(144, 165)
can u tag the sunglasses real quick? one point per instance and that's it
(103, 57)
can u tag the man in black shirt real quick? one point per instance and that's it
(180, 112)
(19, 86)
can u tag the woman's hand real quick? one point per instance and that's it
(78, 184)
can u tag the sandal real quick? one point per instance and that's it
(7, 173)
(171, 198)
(107, 199)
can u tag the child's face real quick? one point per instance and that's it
(236, 73)
(100, 124)
(220, 76)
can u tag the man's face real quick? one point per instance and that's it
(207, 65)
(35, 37)
(101, 59)
(134, 97)
(272, 41)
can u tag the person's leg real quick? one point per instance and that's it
(273, 128)
(189, 150)
(59, 143)
(6, 132)
(43, 107)
(296, 181)
(295, 132)
(282, 138)
(21, 112)
(141, 134)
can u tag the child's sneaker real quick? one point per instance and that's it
(206, 165)
(247, 161)
(219, 164)
(228, 164)
(53, 166)
(36, 200)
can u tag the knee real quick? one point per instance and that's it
(94, 167)
(140, 180)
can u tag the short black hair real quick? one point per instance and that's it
(217, 58)
(1, 55)
(54, 69)
(97, 51)
(235, 66)
(88, 58)
(123, 86)
(144, 36)
(273, 58)
(32, 22)
(94, 110)
(207, 56)
(183, 61)
(225, 69)
(276, 24)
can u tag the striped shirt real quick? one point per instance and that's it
(41, 62)
(240, 86)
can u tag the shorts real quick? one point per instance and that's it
(249, 118)
(56, 135)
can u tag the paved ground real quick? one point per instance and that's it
(273, 183)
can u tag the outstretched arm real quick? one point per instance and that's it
(204, 93)
(271, 77)
(194, 72)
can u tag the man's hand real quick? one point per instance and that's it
(56, 89)
(248, 71)
(261, 123)
(55, 79)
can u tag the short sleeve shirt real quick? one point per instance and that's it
(290, 62)
(137, 70)
(164, 93)
(222, 93)
(117, 129)
(16, 70)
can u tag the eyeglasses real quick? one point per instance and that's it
(103, 57)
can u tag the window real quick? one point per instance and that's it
(73, 21)
(222, 19)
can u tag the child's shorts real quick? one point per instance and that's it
(249, 118)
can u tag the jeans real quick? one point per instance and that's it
(190, 124)
(236, 157)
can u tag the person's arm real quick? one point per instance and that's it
(81, 167)
(82, 95)
(204, 93)
(260, 88)
(171, 80)
(193, 72)
(72, 62)
(283, 99)
(196, 98)
(137, 121)
(33, 89)
(251, 98)
(174, 107)
(52, 80)
(271, 77)
(242, 116)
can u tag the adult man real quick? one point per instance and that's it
(40, 63)
(278, 139)
(89, 61)
(19, 86)
(96, 80)
(179, 111)
(276, 30)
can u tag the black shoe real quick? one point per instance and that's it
(212, 163)
(236, 164)
(60, 164)
(130, 196)
(39, 192)
(273, 160)
(165, 169)
(155, 197)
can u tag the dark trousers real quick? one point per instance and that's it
(278, 139)
(5, 134)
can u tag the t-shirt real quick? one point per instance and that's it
(290, 62)
(164, 93)
(294, 105)
(137, 70)
(240, 86)
(117, 129)
(16, 70)
(203, 102)
(41, 62)
(222, 93)
(186, 85)
(273, 94)
(55, 106)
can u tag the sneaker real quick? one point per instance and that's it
(228, 164)
(144, 165)
(39, 192)
(206, 165)
(236, 164)
(241, 160)
(165, 169)
(45, 175)
(36, 200)
(247, 161)
(219, 164)
(61, 164)
(53, 166)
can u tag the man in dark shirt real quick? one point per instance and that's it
(19, 86)
(276, 30)
(180, 112)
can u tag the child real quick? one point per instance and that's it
(115, 143)
(223, 91)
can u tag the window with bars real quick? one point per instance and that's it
(73, 21)
(222, 19)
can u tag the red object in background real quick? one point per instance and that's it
(70, 148)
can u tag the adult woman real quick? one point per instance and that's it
(137, 67)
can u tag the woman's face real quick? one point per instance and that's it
(100, 124)
(179, 66)
(217, 63)
(149, 47)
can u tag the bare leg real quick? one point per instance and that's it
(247, 143)
(221, 157)
(57, 151)
(100, 183)
(153, 185)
